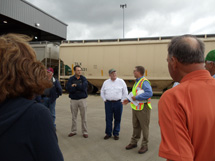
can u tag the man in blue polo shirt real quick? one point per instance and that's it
(142, 92)
(77, 88)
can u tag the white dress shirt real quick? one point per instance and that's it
(114, 90)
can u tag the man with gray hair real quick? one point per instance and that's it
(113, 92)
(186, 112)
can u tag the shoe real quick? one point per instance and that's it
(107, 137)
(85, 135)
(130, 146)
(116, 137)
(71, 134)
(143, 149)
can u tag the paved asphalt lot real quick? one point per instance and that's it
(95, 148)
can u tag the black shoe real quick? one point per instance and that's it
(116, 137)
(107, 137)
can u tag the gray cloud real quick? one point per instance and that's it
(102, 19)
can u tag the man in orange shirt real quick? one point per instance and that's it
(187, 112)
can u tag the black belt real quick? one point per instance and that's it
(113, 100)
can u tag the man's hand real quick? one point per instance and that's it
(125, 102)
(133, 98)
(74, 85)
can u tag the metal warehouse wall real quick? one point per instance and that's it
(30, 15)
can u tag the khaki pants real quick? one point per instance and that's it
(140, 120)
(82, 106)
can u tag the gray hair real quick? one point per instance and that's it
(188, 49)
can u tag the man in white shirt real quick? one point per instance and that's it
(113, 92)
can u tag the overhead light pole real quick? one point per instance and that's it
(123, 6)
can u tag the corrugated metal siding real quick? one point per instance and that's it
(29, 14)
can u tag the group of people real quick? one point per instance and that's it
(114, 93)
(186, 112)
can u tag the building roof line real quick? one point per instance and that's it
(43, 12)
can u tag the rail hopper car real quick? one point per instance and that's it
(96, 57)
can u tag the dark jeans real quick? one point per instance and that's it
(50, 106)
(113, 110)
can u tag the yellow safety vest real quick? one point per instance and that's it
(134, 91)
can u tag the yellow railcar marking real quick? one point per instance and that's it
(102, 72)
(72, 69)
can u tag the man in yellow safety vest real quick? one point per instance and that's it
(141, 108)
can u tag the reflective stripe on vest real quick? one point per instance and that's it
(134, 91)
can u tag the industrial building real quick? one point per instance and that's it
(20, 16)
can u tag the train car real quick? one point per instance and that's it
(47, 53)
(96, 57)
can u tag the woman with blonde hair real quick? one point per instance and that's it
(26, 128)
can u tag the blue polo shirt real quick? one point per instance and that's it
(80, 91)
(147, 91)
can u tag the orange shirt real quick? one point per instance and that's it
(187, 119)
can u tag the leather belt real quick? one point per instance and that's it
(113, 100)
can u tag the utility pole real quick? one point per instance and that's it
(123, 6)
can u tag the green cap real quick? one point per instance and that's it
(210, 56)
(111, 70)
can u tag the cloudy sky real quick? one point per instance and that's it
(103, 19)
